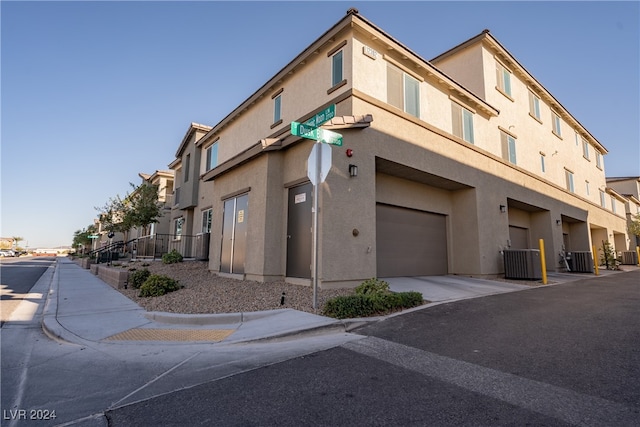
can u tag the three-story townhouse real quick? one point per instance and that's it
(435, 175)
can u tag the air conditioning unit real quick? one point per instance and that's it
(202, 246)
(522, 264)
(581, 262)
(629, 257)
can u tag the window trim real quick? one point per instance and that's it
(534, 104)
(556, 123)
(208, 157)
(404, 76)
(543, 164)
(585, 148)
(570, 184)
(464, 132)
(209, 220)
(501, 69)
(508, 148)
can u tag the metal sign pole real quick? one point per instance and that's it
(315, 225)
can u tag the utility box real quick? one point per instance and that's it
(202, 246)
(522, 264)
(580, 262)
(629, 258)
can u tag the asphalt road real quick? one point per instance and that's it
(18, 276)
(552, 356)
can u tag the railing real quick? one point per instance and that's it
(156, 245)
(108, 253)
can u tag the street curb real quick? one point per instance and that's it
(209, 319)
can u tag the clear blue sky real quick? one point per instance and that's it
(94, 93)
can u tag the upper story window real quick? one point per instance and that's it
(555, 119)
(603, 200)
(613, 204)
(211, 159)
(206, 220)
(508, 144)
(543, 166)
(586, 187)
(403, 91)
(534, 105)
(336, 68)
(503, 79)
(585, 148)
(569, 180)
(187, 165)
(462, 122)
(598, 159)
(277, 108)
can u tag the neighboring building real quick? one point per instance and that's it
(629, 188)
(436, 175)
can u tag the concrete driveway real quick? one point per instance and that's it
(448, 288)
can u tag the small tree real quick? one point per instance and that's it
(81, 237)
(16, 241)
(609, 256)
(145, 208)
(634, 226)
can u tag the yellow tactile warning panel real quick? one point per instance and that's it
(139, 334)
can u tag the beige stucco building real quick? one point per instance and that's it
(457, 159)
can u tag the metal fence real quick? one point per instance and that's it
(156, 245)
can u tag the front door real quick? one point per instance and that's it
(299, 233)
(234, 234)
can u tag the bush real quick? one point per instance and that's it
(138, 277)
(171, 257)
(373, 287)
(157, 285)
(372, 297)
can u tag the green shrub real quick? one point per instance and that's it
(372, 297)
(171, 257)
(138, 277)
(373, 286)
(157, 285)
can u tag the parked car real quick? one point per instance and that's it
(7, 252)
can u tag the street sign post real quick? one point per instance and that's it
(318, 166)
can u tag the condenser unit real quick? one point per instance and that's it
(202, 246)
(581, 262)
(629, 257)
(522, 264)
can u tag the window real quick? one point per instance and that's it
(613, 204)
(585, 148)
(212, 157)
(503, 79)
(577, 142)
(277, 108)
(508, 147)
(543, 167)
(403, 91)
(534, 105)
(186, 168)
(177, 228)
(556, 124)
(462, 122)
(586, 186)
(206, 220)
(603, 201)
(336, 68)
(598, 159)
(569, 178)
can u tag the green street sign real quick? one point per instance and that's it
(317, 134)
(93, 236)
(321, 117)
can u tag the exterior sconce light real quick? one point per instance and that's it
(353, 170)
(558, 222)
(503, 208)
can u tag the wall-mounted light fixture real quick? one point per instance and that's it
(503, 208)
(353, 170)
(558, 222)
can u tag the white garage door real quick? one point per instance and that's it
(410, 242)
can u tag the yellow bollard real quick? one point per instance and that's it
(638, 252)
(543, 263)
(595, 260)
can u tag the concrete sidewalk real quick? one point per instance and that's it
(81, 308)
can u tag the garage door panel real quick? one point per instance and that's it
(410, 242)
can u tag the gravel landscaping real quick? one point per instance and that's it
(205, 292)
